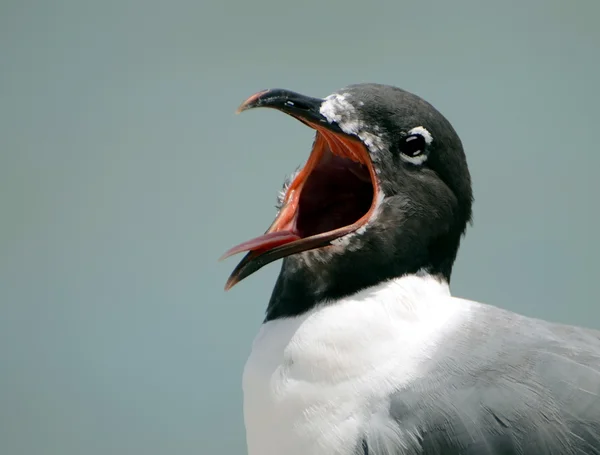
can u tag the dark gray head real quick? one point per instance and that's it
(385, 192)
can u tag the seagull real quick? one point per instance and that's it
(363, 350)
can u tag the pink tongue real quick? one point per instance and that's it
(264, 242)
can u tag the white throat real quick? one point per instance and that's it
(312, 382)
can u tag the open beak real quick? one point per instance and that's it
(333, 195)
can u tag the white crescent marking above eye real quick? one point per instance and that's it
(422, 131)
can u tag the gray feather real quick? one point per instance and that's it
(502, 385)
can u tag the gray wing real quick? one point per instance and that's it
(505, 385)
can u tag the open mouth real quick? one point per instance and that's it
(333, 195)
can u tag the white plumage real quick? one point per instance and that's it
(313, 381)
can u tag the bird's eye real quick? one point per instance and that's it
(413, 145)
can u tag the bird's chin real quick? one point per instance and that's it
(334, 195)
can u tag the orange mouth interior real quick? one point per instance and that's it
(334, 194)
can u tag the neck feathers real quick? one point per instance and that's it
(297, 293)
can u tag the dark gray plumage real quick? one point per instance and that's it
(431, 202)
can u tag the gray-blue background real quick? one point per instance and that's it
(124, 174)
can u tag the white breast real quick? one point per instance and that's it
(312, 382)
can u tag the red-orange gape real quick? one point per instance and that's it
(334, 194)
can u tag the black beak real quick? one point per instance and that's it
(304, 108)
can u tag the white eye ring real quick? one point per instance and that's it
(421, 135)
(420, 130)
